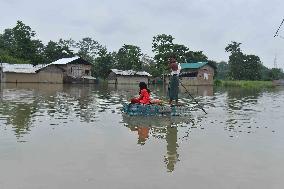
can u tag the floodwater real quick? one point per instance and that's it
(75, 136)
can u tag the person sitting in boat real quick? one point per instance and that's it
(144, 95)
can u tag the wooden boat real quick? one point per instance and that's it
(155, 110)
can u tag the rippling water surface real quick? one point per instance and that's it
(75, 136)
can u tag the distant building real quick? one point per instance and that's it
(200, 73)
(128, 77)
(27, 73)
(65, 70)
(194, 74)
(75, 70)
(279, 82)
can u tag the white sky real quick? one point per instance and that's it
(205, 25)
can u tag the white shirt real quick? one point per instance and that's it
(176, 72)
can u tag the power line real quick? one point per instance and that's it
(276, 34)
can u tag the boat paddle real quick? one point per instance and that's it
(193, 99)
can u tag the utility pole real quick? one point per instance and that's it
(1, 71)
(275, 61)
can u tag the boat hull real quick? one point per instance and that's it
(155, 110)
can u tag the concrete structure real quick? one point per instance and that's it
(200, 73)
(127, 77)
(65, 70)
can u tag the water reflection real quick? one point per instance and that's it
(205, 90)
(241, 108)
(161, 128)
(164, 128)
(25, 106)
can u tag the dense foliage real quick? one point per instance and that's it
(20, 45)
(245, 67)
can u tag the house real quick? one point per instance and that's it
(128, 77)
(75, 70)
(65, 70)
(200, 73)
(27, 73)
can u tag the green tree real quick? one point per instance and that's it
(276, 73)
(5, 57)
(252, 67)
(128, 57)
(19, 42)
(54, 51)
(236, 60)
(242, 66)
(223, 70)
(179, 52)
(233, 47)
(103, 63)
(195, 56)
(88, 48)
(162, 46)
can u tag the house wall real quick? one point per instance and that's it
(131, 79)
(50, 74)
(10, 77)
(204, 77)
(128, 80)
(77, 70)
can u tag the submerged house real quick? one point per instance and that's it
(65, 70)
(128, 77)
(75, 70)
(200, 73)
(27, 73)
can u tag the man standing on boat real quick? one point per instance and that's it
(174, 80)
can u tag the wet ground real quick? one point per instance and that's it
(75, 136)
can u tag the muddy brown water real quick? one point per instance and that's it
(75, 136)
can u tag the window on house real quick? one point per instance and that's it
(87, 72)
(76, 71)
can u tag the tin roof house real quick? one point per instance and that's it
(27, 73)
(199, 73)
(65, 70)
(128, 77)
(75, 70)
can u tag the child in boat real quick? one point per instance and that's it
(144, 95)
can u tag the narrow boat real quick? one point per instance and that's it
(155, 110)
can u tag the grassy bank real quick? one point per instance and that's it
(244, 84)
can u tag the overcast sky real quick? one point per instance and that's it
(207, 25)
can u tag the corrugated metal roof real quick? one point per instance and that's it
(193, 65)
(143, 73)
(29, 68)
(130, 72)
(20, 68)
(63, 61)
